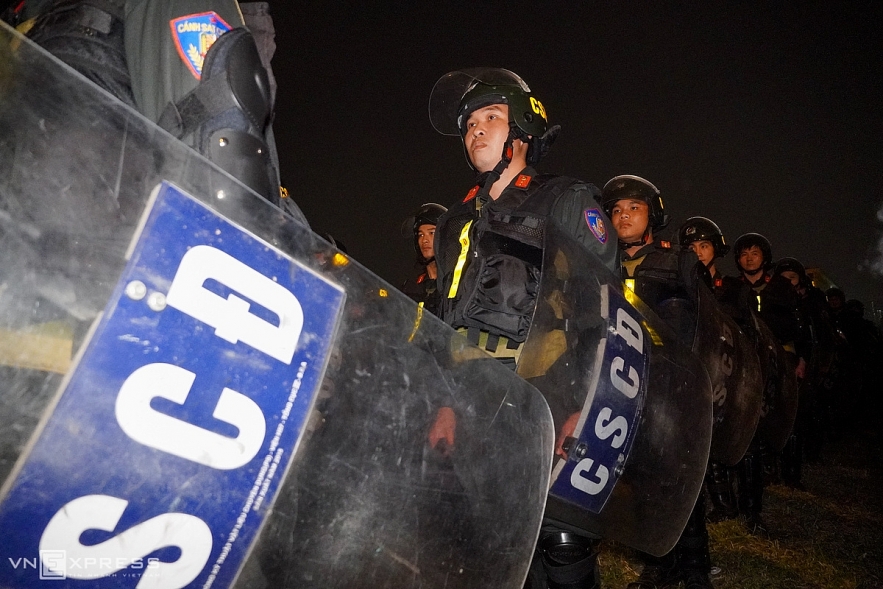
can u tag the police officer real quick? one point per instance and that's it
(666, 279)
(489, 252)
(774, 300)
(191, 66)
(705, 238)
(816, 345)
(421, 229)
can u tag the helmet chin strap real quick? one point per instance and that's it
(487, 179)
(624, 245)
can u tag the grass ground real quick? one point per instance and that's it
(827, 537)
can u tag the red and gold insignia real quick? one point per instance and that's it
(523, 181)
(471, 194)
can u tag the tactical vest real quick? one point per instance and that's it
(490, 262)
(656, 276)
(664, 283)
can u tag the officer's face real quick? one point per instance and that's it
(791, 277)
(751, 259)
(486, 132)
(425, 237)
(630, 219)
(704, 251)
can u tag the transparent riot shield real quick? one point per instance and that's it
(640, 398)
(198, 391)
(779, 409)
(734, 369)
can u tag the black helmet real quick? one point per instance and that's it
(703, 229)
(458, 94)
(835, 292)
(749, 240)
(792, 265)
(635, 188)
(428, 214)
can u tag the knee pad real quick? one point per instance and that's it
(569, 560)
(225, 117)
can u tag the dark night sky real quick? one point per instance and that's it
(761, 118)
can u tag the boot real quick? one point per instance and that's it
(694, 560)
(721, 493)
(751, 492)
(660, 572)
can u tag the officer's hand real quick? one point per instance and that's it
(443, 431)
(566, 431)
(800, 371)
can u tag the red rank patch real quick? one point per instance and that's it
(523, 181)
(471, 194)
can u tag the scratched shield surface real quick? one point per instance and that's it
(199, 391)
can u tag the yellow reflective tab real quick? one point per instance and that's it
(461, 260)
(630, 284)
(417, 321)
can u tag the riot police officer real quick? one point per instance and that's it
(420, 228)
(816, 345)
(705, 238)
(666, 279)
(489, 252)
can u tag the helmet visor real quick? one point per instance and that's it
(448, 93)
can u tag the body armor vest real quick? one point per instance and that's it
(490, 261)
(665, 282)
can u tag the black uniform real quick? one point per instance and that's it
(489, 256)
(489, 252)
(423, 289)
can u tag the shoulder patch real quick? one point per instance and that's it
(666, 245)
(471, 194)
(193, 35)
(595, 221)
(523, 181)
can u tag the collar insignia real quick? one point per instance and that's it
(523, 181)
(471, 194)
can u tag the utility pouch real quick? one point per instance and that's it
(505, 277)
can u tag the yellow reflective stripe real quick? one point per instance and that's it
(461, 261)
(417, 321)
(630, 284)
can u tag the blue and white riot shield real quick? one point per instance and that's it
(640, 399)
(197, 391)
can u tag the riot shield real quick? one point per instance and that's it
(637, 463)
(779, 409)
(734, 369)
(198, 391)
